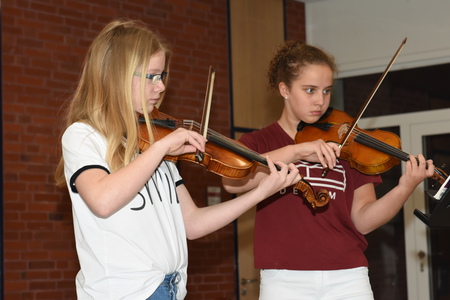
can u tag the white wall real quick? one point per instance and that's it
(363, 35)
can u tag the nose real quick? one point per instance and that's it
(320, 99)
(160, 86)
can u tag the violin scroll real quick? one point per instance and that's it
(319, 199)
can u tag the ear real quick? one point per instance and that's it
(283, 89)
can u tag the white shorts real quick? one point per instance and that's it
(314, 285)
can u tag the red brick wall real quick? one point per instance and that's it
(44, 43)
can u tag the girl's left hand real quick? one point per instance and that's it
(417, 169)
(277, 180)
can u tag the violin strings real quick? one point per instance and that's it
(382, 146)
(372, 142)
(369, 141)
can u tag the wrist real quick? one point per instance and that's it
(297, 150)
(158, 148)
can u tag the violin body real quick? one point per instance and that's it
(370, 152)
(217, 158)
(361, 149)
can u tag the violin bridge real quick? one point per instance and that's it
(343, 130)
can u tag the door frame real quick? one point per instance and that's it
(413, 127)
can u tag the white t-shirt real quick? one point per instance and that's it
(127, 255)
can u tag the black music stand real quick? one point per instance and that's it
(440, 217)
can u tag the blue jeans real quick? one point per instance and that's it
(167, 290)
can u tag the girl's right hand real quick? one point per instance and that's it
(182, 141)
(277, 180)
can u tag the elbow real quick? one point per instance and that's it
(102, 212)
(190, 235)
(363, 229)
(226, 185)
(229, 185)
(365, 232)
(101, 209)
(230, 189)
(195, 231)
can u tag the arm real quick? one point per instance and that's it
(105, 193)
(368, 213)
(202, 221)
(315, 151)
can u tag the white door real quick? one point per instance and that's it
(415, 129)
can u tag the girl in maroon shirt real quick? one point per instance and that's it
(306, 253)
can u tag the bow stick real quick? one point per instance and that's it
(206, 110)
(363, 108)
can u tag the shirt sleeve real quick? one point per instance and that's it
(83, 148)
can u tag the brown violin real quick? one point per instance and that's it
(223, 156)
(369, 152)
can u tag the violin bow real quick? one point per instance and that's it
(366, 104)
(206, 110)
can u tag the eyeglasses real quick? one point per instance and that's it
(155, 78)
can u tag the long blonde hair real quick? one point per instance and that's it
(103, 98)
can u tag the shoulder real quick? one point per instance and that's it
(83, 136)
(261, 133)
(80, 129)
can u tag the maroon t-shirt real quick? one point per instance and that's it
(289, 234)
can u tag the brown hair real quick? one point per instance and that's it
(290, 60)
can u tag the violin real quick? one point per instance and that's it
(223, 156)
(370, 152)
